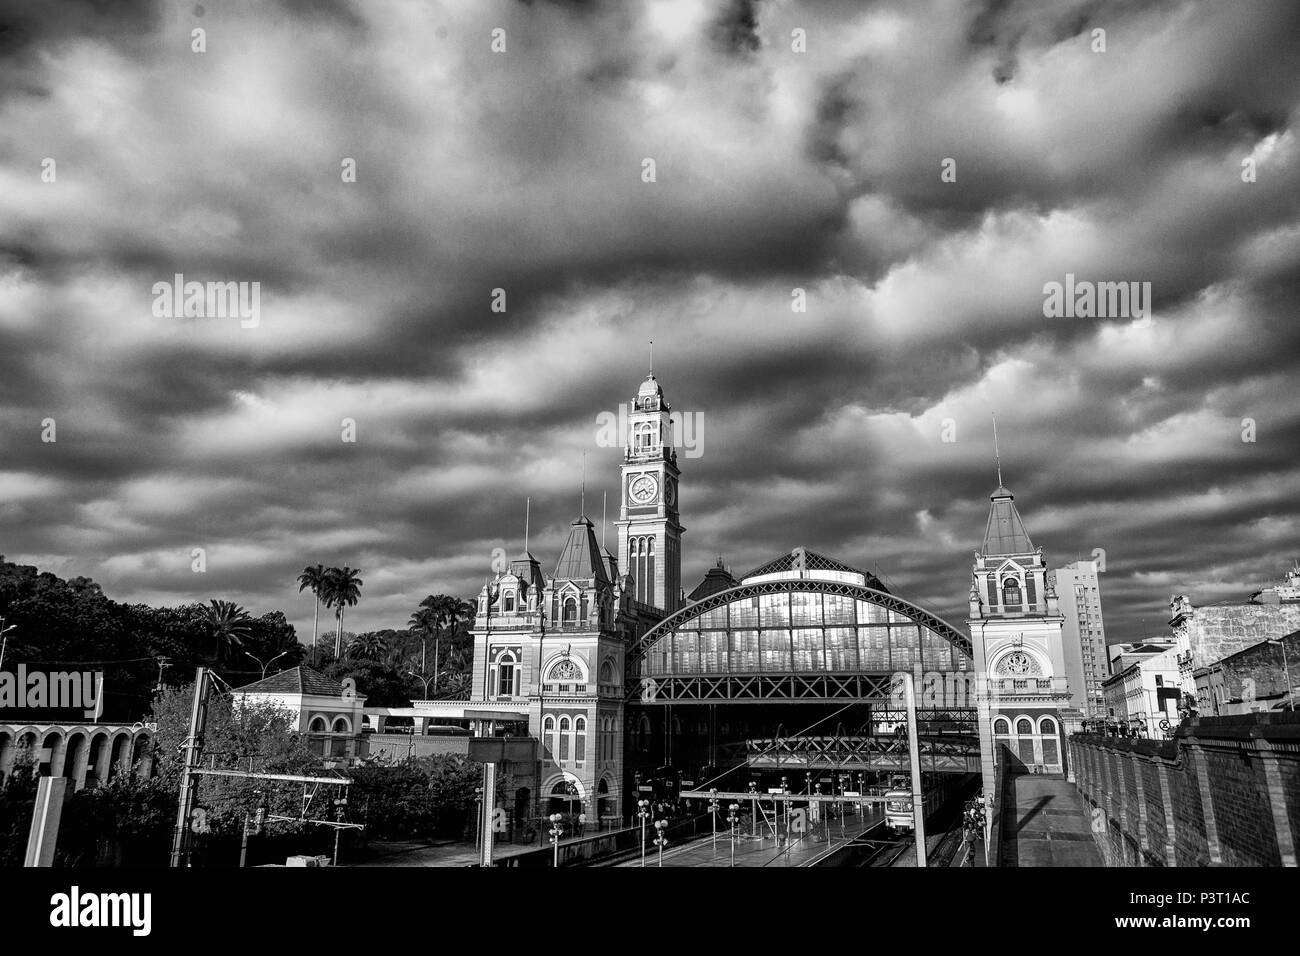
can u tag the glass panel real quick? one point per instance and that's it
(744, 613)
(937, 652)
(897, 617)
(808, 650)
(838, 608)
(744, 651)
(686, 655)
(775, 609)
(776, 651)
(805, 608)
(713, 651)
(869, 613)
(715, 618)
(904, 646)
(564, 745)
(841, 648)
(873, 648)
(659, 655)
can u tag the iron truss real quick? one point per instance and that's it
(956, 754)
(760, 688)
(637, 651)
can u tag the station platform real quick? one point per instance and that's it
(753, 851)
(1045, 823)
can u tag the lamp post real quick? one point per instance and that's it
(4, 638)
(753, 808)
(713, 817)
(1286, 673)
(785, 790)
(556, 832)
(661, 841)
(426, 680)
(732, 818)
(267, 664)
(643, 811)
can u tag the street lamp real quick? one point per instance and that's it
(4, 638)
(713, 817)
(643, 811)
(1286, 673)
(426, 680)
(661, 841)
(753, 808)
(267, 664)
(732, 818)
(556, 832)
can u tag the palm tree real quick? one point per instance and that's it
(444, 611)
(369, 647)
(424, 623)
(313, 577)
(229, 626)
(342, 590)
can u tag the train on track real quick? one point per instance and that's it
(939, 788)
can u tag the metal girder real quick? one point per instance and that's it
(938, 755)
(762, 688)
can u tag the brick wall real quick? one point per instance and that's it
(1224, 791)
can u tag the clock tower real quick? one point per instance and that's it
(649, 533)
(1015, 624)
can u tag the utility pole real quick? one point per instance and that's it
(914, 752)
(193, 752)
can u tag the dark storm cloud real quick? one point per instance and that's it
(522, 171)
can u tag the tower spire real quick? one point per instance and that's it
(652, 357)
(604, 507)
(528, 507)
(582, 495)
(996, 456)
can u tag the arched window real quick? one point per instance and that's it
(548, 737)
(1024, 727)
(645, 435)
(564, 739)
(1011, 594)
(1001, 727)
(607, 672)
(342, 726)
(507, 676)
(317, 725)
(1047, 726)
(570, 611)
(508, 602)
(580, 739)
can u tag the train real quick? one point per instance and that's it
(938, 789)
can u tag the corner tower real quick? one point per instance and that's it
(649, 533)
(1016, 633)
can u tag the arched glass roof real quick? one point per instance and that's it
(798, 625)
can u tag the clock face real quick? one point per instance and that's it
(670, 493)
(643, 489)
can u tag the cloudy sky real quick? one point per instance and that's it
(522, 170)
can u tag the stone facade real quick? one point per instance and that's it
(1224, 791)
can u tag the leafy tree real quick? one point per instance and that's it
(382, 685)
(17, 799)
(370, 646)
(255, 735)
